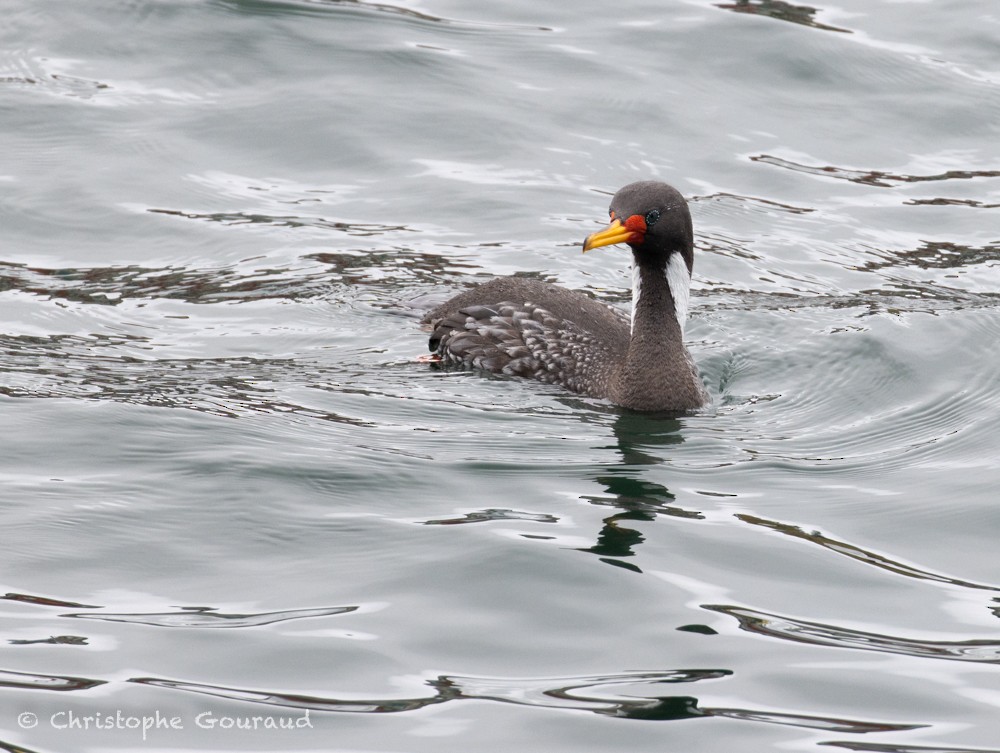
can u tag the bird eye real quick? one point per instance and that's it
(652, 216)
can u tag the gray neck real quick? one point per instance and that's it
(659, 293)
(658, 372)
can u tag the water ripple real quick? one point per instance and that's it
(12, 748)
(484, 516)
(55, 640)
(40, 75)
(402, 11)
(207, 617)
(292, 221)
(898, 748)
(862, 555)
(572, 693)
(45, 601)
(311, 277)
(731, 201)
(941, 202)
(28, 681)
(908, 405)
(878, 178)
(559, 693)
(986, 651)
(226, 387)
(936, 255)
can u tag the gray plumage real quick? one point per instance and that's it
(526, 328)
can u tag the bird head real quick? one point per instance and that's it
(653, 219)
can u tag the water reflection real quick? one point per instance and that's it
(630, 497)
(861, 555)
(819, 634)
(45, 601)
(208, 617)
(952, 202)
(492, 514)
(796, 14)
(291, 221)
(122, 366)
(879, 178)
(572, 693)
(11, 748)
(55, 640)
(74, 367)
(636, 499)
(30, 681)
(39, 76)
(276, 6)
(313, 276)
(894, 748)
(936, 255)
(577, 693)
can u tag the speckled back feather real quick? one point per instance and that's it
(574, 340)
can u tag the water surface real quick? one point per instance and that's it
(232, 491)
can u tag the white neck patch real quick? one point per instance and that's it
(636, 292)
(679, 280)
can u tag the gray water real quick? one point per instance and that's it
(231, 490)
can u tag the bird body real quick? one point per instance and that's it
(522, 327)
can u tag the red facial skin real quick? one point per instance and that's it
(637, 224)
